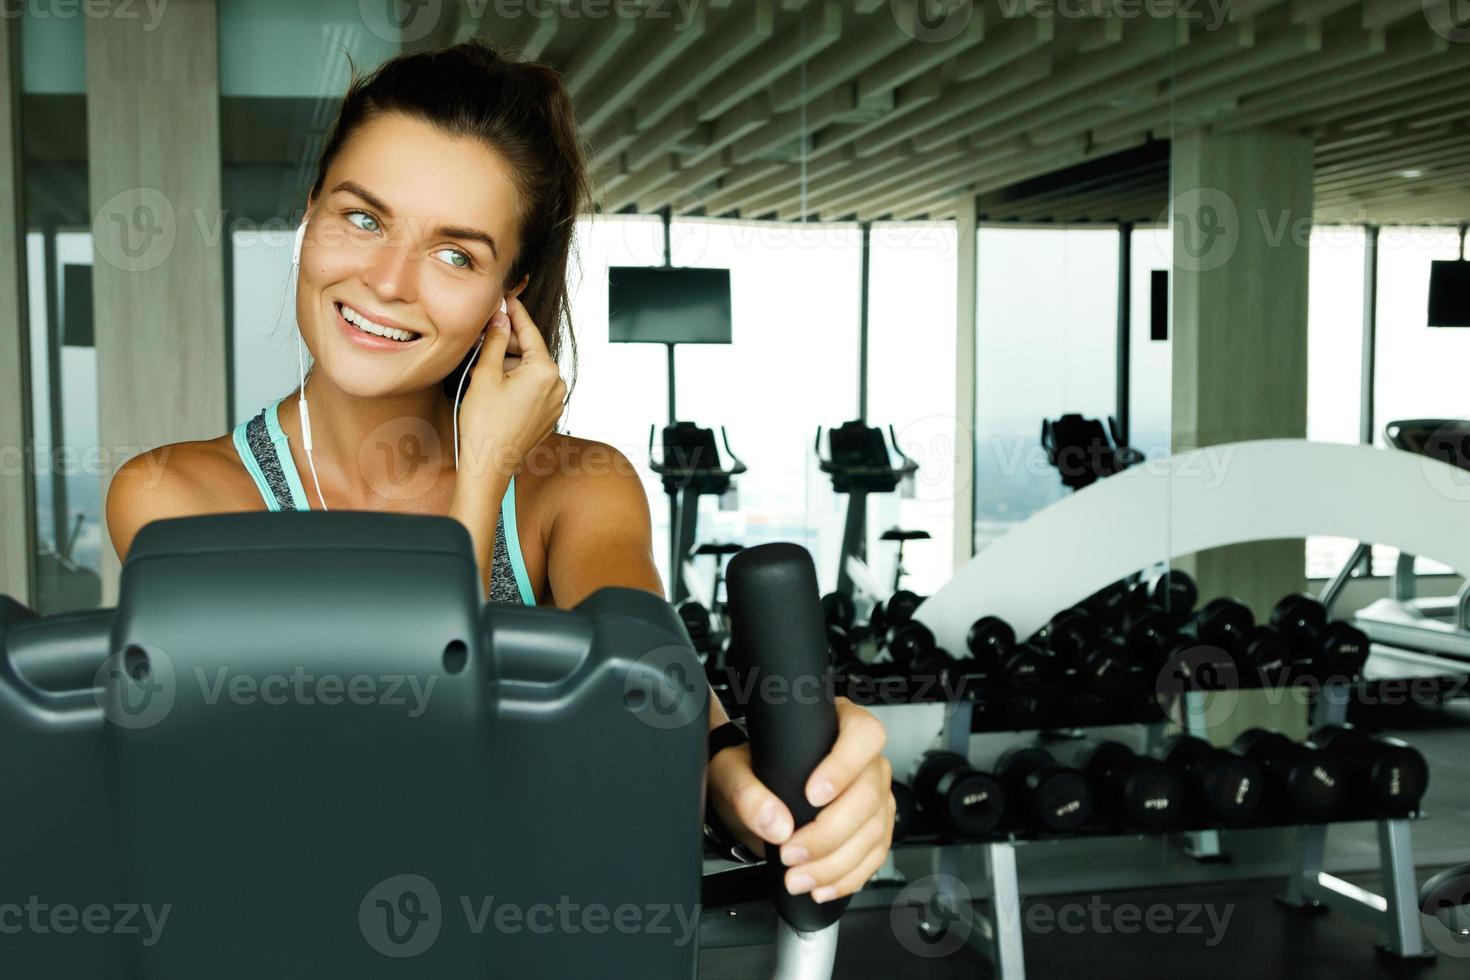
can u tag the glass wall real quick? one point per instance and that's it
(1418, 369)
(1150, 359)
(911, 337)
(1334, 360)
(620, 388)
(1046, 345)
(67, 458)
(792, 367)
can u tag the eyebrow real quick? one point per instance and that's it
(447, 231)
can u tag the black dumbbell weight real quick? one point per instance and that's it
(1388, 773)
(1225, 788)
(1144, 793)
(839, 609)
(900, 607)
(1336, 649)
(1307, 783)
(1223, 623)
(1044, 796)
(961, 801)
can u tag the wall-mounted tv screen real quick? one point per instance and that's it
(656, 305)
(1449, 294)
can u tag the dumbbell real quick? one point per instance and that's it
(840, 650)
(1146, 794)
(1308, 783)
(838, 609)
(1173, 593)
(1225, 787)
(903, 816)
(1149, 637)
(1023, 666)
(960, 800)
(900, 607)
(1113, 602)
(1043, 795)
(696, 620)
(1223, 623)
(1267, 655)
(1336, 648)
(1076, 640)
(1389, 772)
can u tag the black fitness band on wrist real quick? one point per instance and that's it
(725, 736)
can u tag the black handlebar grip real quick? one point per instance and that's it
(779, 641)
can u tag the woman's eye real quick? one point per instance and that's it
(368, 222)
(456, 258)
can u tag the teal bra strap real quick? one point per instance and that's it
(513, 544)
(242, 446)
(283, 452)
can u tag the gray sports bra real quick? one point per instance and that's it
(262, 445)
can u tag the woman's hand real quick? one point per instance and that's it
(838, 851)
(512, 403)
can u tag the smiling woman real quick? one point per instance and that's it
(437, 238)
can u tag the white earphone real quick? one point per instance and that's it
(301, 366)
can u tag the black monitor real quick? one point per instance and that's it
(660, 305)
(1449, 294)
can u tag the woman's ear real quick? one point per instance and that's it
(520, 286)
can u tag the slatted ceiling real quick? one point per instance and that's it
(712, 117)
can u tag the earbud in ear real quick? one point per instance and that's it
(502, 306)
(296, 249)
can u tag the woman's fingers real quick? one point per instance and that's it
(528, 336)
(860, 738)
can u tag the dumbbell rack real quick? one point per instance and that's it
(996, 931)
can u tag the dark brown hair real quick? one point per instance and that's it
(523, 113)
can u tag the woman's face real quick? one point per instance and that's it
(412, 235)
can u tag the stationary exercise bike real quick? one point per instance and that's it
(859, 464)
(302, 745)
(1083, 452)
(690, 468)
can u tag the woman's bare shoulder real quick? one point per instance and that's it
(181, 479)
(566, 463)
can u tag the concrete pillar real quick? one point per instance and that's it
(17, 528)
(157, 277)
(1241, 211)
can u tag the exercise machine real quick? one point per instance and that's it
(301, 743)
(859, 464)
(1437, 626)
(690, 468)
(1083, 452)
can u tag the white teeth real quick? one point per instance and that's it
(367, 326)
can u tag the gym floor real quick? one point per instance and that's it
(1219, 926)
